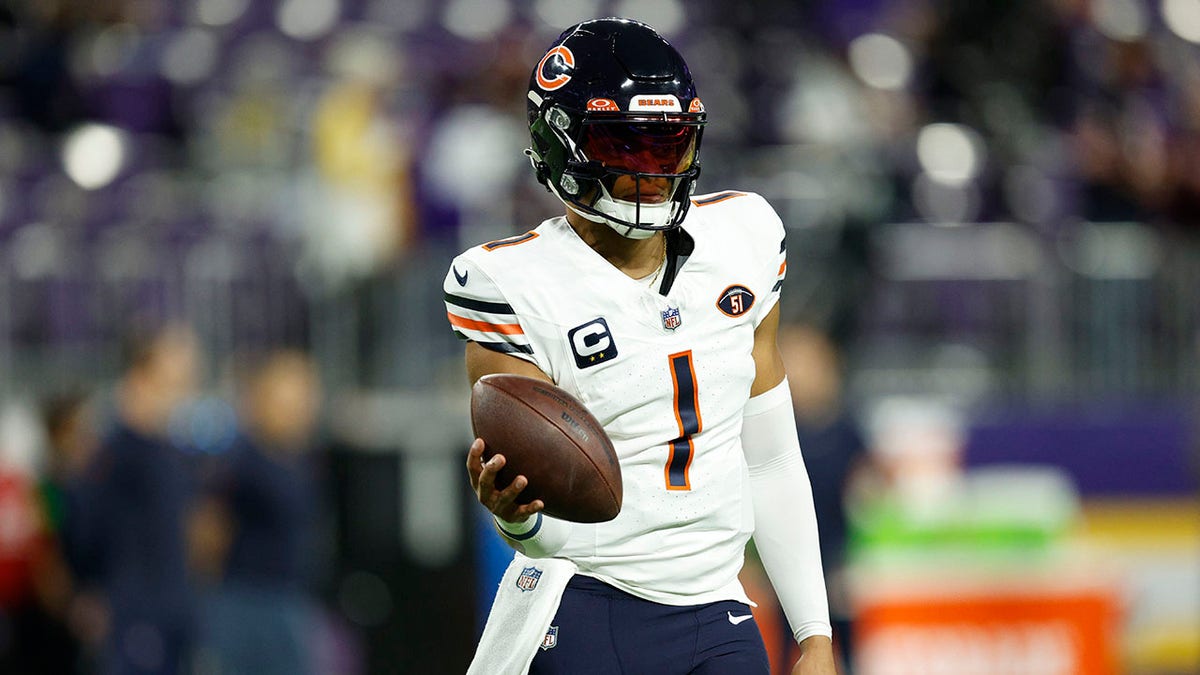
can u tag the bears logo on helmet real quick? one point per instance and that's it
(550, 84)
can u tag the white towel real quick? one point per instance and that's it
(521, 614)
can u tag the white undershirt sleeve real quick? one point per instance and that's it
(540, 536)
(785, 522)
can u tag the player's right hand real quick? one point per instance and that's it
(502, 503)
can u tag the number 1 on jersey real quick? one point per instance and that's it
(687, 414)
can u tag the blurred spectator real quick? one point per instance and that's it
(27, 554)
(127, 521)
(833, 450)
(361, 158)
(58, 628)
(19, 542)
(261, 620)
(71, 442)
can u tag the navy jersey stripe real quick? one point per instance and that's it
(479, 305)
(505, 347)
(686, 395)
(510, 241)
(778, 285)
(716, 198)
(681, 454)
(687, 415)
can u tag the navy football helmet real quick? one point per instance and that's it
(615, 125)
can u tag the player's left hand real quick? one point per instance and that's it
(502, 503)
(816, 657)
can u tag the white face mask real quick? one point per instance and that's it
(652, 215)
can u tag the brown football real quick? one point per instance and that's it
(548, 436)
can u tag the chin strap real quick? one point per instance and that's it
(585, 215)
(627, 231)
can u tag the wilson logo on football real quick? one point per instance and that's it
(603, 105)
(735, 300)
(551, 83)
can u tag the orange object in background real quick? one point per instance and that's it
(984, 628)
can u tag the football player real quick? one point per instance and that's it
(657, 308)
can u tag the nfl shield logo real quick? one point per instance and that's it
(529, 578)
(670, 317)
(551, 638)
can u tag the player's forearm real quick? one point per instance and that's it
(540, 536)
(786, 538)
(785, 521)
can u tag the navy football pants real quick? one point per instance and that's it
(603, 631)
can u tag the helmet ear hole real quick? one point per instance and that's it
(558, 118)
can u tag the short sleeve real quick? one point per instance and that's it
(775, 247)
(478, 311)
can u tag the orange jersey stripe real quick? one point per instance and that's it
(505, 328)
(782, 267)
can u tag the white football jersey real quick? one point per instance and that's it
(667, 377)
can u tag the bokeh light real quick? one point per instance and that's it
(562, 13)
(219, 12)
(93, 155)
(476, 19)
(667, 16)
(1183, 18)
(307, 19)
(881, 61)
(1121, 20)
(38, 251)
(952, 154)
(190, 57)
(109, 50)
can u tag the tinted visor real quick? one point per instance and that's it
(654, 148)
